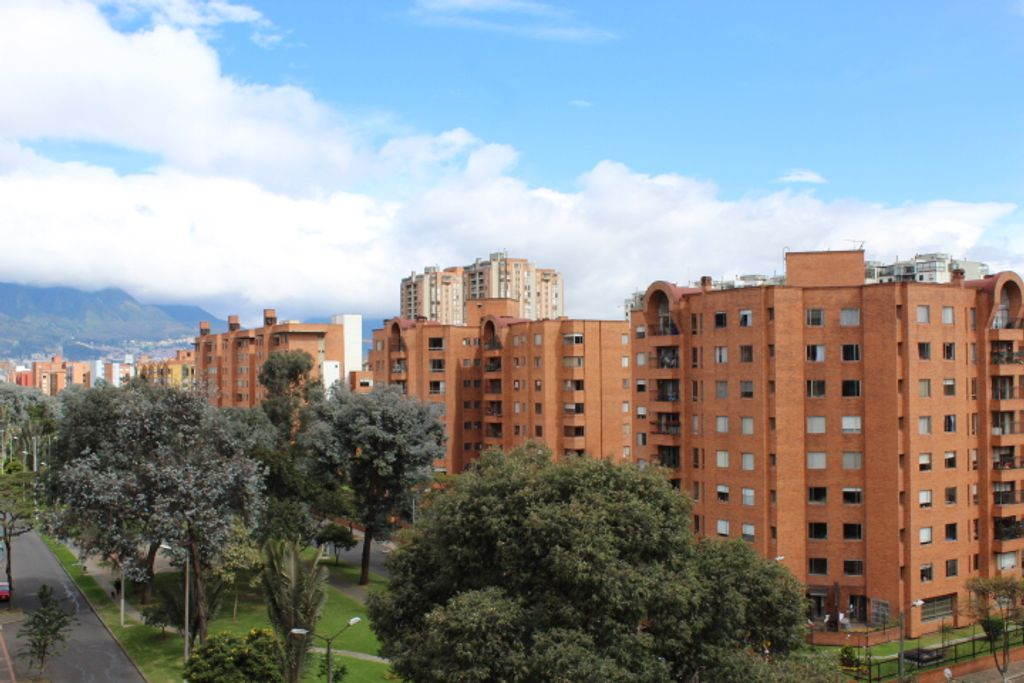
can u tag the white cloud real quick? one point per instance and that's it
(801, 175)
(581, 103)
(252, 200)
(526, 18)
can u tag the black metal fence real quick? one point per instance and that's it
(886, 668)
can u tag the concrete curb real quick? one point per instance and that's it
(92, 606)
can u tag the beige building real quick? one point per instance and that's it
(442, 295)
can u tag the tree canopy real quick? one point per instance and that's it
(384, 443)
(528, 570)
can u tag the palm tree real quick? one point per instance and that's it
(295, 592)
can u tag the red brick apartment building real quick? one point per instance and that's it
(227, 365)
(501, 380)
(869, 436)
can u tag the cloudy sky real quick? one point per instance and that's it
(307, 155)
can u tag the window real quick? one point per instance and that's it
(853, 496)
(815, 353)
(436, 387)
(923, 314)
(577, 361)
(924, 350)
(817, 531)
(572, 338)
(817, 565)
(926, 572)
(722, 527)
(817, 495)
(949, 459)
(853, 460)
(641, 332)
(949, 387)
(816, 424)
(641, 359)
(924, 535)
(924, 424)
(723, 493)
(747, 496)
(721, 354)
(853, 532)
(1007, 560)
(722, 424)
(815, 317)
(435, 343)
(538, 339)
(747, 531)
(950, 495)
(849, 317)
(722, 459)
(924, 498)
(924, 462)
(720, 319)
(851, 388)
(952, 568)
(641, 438)
(947, 315)
(746, 388)
(951, 531)
(948, 351)
(538, 409)
(721, 389)
(851, 352)
(641, 386)
(746, 353)
(853, 567)
(815, 388)
(747, 461)
(746, 318)
(949, 423)
(816, 460)
(746, 425)
(851, 424)
(924, 388)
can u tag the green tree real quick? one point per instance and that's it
(226, 658)
(385, 443)
(286, 377)
(295, 591)
(46, 629)
(526, 570)
(17, 513)
(997, 603)
(240, 558)
(336, 536)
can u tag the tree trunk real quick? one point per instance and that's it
(364, 576)
(147, 587)
(200, 588)
(234, 608)
(10, 580)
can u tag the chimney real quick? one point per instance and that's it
(706, 283)
(233, 323)
(269, 317)
(958, 276)
(204, 328)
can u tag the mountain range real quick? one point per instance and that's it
(42, 321)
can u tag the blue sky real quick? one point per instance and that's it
(618, 142)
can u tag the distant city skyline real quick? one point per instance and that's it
(307, 156)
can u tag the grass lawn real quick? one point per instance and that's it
(929, 640)
(160, 655)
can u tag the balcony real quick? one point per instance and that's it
(1005, 427)
(493, 409)
(1007, 462)
(664, 327)
(667, 358)
(493, 365)
(492, 431)
(1007, 528)
(492, 386)
(398, 369)
(492, 345)
(1007, 497)
(1006, 391)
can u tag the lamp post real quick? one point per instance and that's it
(187, 581)
(916, 603)
(304, 632)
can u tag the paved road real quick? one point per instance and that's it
(378, 554)
(91, 655)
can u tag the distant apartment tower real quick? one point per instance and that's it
(179, 371)
(937, 268)
(443, 295)
(868, 435)
(227, 365)
(501, 381)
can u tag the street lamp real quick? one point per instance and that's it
(916, 603)
(187, 577)
(306, 632)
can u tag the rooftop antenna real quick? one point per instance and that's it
(859, 243)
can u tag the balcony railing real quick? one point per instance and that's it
(492, 366)
(1005, 392)
(1007, 497)
(492, 345)
(1007, 357)
(398, 368)
(1008, 462)
(1008, 428)
(1007, 531)
(669, 396)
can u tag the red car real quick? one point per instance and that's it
(5, 591)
